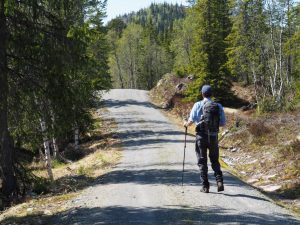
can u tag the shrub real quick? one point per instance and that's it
(296, 88)
(258, 128)
(293, 148)
(81, 170)
(268, 105)
(41, 186)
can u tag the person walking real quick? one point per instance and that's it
(208, 116)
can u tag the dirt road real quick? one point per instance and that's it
(145, 188)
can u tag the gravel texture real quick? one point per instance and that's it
(145, 187)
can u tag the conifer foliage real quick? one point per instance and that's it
(249, 41)
(53, 57)
(208, 51)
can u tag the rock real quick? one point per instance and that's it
(74, 212)
(225, 132)
(165, 105)
(235, 149)
(228, 161)
(253, 161)
(47, 212)
(270, 188)
(298, 137)
(268, 177)
(159, 83)
(252, 180)
(180, 86)
(191, 77)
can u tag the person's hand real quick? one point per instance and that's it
(186, 124)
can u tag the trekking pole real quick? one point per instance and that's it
(183, 157)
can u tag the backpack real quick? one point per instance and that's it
(210, 119)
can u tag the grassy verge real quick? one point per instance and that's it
(101, 153)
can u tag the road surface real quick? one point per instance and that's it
(145, 187)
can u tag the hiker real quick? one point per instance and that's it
(208, 116)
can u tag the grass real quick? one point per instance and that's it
(33, 209)
(57, 163)
(101, 153)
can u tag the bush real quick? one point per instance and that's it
(258, 128)
(268, 105)
(296, 88)
(41, 186)
(293, 148)
(287, 103)
(81, 170)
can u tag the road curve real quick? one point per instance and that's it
(145, 188)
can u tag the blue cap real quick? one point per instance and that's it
(206, 89)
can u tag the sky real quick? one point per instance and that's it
(119, 7)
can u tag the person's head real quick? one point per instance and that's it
(206, 91)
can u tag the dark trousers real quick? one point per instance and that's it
(202, 144)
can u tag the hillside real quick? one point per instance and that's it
(160, 16)
(263, 150)
(140, 45)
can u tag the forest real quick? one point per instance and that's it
(253, 42)
(57, 56)
(53, 60)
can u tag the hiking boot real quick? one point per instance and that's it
(205, 188)
(220, 186)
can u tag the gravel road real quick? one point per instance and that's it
(145, 187)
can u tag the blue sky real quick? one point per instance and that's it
(119, 7)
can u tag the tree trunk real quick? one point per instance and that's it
(9, 184)
(47, 150)
(55, 148)
(76, 137)
(289, 33)
(119, 67)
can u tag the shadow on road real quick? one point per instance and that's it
(175, 215)
(243, 196)
(109, 103)
(148, 132)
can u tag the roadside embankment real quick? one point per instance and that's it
(263, 150)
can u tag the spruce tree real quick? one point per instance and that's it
(209, 48)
